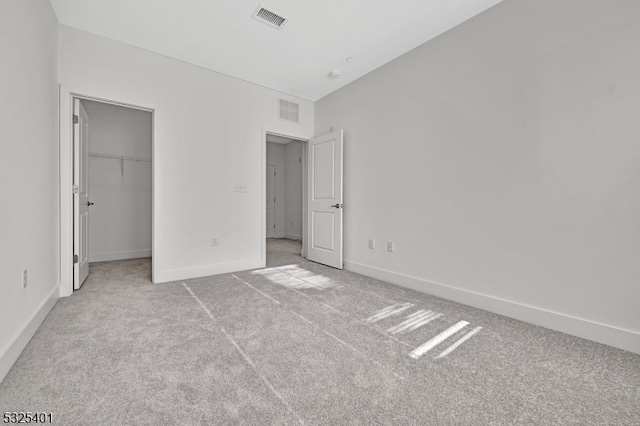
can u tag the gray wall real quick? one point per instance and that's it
(503, 159)
(195, 169)
(120, 219)
(29, 174)
(275, 157)
(293, 190)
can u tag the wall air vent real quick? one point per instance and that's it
(289, 111)
(269, 17)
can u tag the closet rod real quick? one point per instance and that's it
(119, 157)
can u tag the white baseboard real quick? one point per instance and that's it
(16, 345)
(293, 236)
(586, 329)
(206, 270)
(119, 255)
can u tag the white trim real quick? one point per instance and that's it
(207, 270)
(66, 181)
(66, 197)
(602, 333)
(305, 189)
(11, 352)
(295, 138)
(293, 237)
(263, 199)
(119, 255)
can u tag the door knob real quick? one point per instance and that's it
(337, 206)
(89, 203)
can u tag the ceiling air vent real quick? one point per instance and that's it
(288, 110)
(269, 17)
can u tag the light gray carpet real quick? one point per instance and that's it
(300, 343)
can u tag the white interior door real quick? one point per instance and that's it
(271, 201)
(80, 194)
(324, 199)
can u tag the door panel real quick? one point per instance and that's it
(324, 199)
(323, 224)
(323, 167)
(81, 194)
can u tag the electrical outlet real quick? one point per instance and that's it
(214, 241)
(24, 279)
(390, 247)
(240, 187)
(372, 244)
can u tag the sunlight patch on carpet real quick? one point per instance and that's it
(294, 276)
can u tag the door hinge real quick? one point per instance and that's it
(76, 189)
(75, 258)
(75, 119)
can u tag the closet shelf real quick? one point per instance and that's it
(121, 158)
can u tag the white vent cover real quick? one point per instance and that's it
(269, 17)
(288, 110)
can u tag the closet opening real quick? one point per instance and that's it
(113, 183)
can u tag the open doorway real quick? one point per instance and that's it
(321, 174)
(285, 170)
(113, 173)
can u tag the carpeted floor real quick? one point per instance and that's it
(300, 343)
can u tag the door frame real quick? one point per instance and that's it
(65, 183)
(263, 199)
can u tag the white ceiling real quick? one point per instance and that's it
(222, 36)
